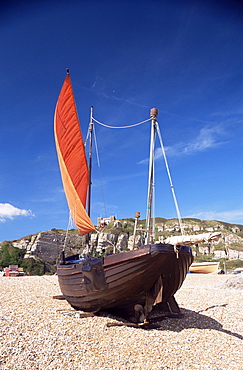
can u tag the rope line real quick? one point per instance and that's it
(166, 164)
(170, 180)
(98, 162)
(135, 124)
(70, 224)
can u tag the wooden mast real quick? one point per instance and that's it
(91, 124)
(90, 158)
(153, 115)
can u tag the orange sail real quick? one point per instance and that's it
(72, 158)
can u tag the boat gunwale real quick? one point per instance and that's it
(128, 255)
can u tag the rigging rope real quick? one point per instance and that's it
(96, 147)
(135, 124)
(165, 159)
(170, 179)
(98, 162)
(87, 137)
(70, 224)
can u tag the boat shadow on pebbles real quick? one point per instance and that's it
(187, 320)
(196, 320)
(161, 320)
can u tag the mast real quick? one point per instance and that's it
(153, 115)
(90, 158)
(90, 178)
(137, 216)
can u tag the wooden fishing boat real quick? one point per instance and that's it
(129, 281)
(204, 267)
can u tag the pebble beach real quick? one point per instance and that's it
(39, 332)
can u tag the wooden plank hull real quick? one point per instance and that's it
(123, 279)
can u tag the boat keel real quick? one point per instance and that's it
(170, 306)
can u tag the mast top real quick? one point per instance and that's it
(67, 70)
(154, 112)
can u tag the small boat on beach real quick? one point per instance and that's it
(131, 281)
(13, 271)
(204, 267)
(238, 270)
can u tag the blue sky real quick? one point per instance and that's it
(125, 57)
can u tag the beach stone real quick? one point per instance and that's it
(235, 282)
(39, 332)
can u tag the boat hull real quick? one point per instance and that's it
(124, 279)
(204, 268)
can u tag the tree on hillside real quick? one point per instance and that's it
(9, 255)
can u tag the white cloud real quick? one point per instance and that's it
(234, 216)
(9, 211)
(208, 137)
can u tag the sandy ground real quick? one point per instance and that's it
(36, 331)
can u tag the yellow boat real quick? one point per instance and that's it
(204, 267)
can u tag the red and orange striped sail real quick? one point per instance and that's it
(72, 158)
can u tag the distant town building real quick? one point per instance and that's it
(102, 222)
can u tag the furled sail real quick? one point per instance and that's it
(72, 158)
(190, 240)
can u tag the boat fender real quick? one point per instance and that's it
(94, 275)
(177, 249)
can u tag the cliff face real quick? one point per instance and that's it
(227, 250)
(106, 242)
(47, 245)
(231, 254)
